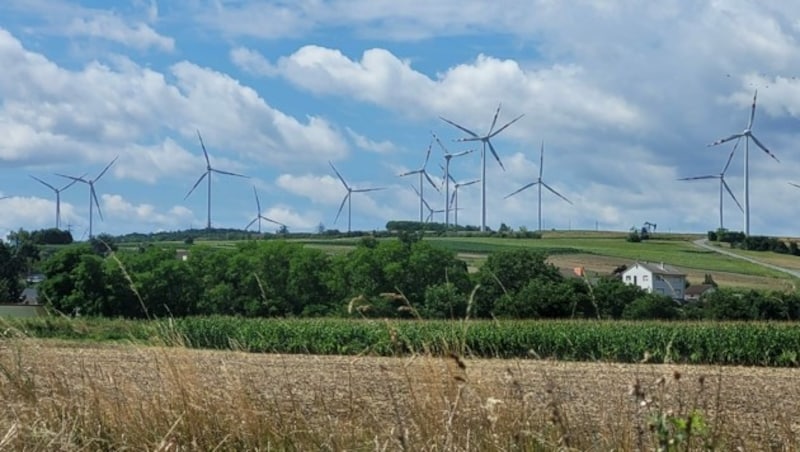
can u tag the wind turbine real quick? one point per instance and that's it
(431, 210)
(422, 172)
(348, 197)
(790, 183)
(207, 173)
(447, 157)
(58, 196)
(747, 134)
(260, 216)
(722, 184)
(454, 198)
(541, 183)
(92, 194)
(484, 139)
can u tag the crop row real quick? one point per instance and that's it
(729, 343)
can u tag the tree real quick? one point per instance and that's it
(652, 306)
(11, 269)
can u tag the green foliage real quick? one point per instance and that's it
(652, 306)
(12, 266)
(51, 236)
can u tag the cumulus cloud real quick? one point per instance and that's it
(116, 206)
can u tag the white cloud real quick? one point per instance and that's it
(362, 142)
(113, 28)
(251, 61)
(122, 210)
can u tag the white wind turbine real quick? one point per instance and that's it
(260, 215)
(484, 139)
(57, 191)
(431, 210)
(422, 173)
(747, 134)
(722, 184)
(447, 157)
(541, 183)
(92, 194)
(348, 197)
(454, 198)
(207, 174)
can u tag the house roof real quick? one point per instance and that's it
(698, 289)
(658, 269)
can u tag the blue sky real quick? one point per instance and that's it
(625, 95)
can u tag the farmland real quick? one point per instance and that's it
(69, 396)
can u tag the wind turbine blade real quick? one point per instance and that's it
(794, 185)
(76, 179)
(45, 183)
(441, 145)
(726, 139)
(229, 173)
(415, 190)
(464, 129)
(271, 220)
(96, 203)
(258, 202)
(494, 153)
(730, 157)
(427, 155)
(453, 197)
(408, 173)
(556, 193)
(341, 206)
(105, 169)
(730, 192)
(494, 120)
(428, 177)
(71, 183)
(752, 111)
(524, 187)
(250, 223)
(700, 177)
(763, 148)
(340, 177)
(491, 135)
(205, 153)
(474, 181)
(195, 185)
(541, 161)
(459, 154)
(364, 190)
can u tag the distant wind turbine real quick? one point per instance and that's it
(348, 197)
(484, 139)
(447, 157)
(722, 184)
(422, 173)
(431, 210)
(454, 198)
(747, 134)
(260, 215)
(58, 196)
(92, 194)
(541, 183)
(207, 173)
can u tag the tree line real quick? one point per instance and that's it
(405, 277)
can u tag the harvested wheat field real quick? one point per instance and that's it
(61, 396)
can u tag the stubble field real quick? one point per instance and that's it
(68, 397)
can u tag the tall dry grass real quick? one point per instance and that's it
(59, 396)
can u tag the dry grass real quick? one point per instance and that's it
(168, 399)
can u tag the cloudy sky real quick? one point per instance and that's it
(625, 95)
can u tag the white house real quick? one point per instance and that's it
(656, 278)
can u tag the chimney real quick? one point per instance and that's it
(662, 265)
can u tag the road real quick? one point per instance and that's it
(703, 243)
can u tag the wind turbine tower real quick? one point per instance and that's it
(747, 134)
(541, 183)
(260, 215)
(92, 194)
(485, 140)
(207, 173)
(422, 173)
(722, 184)
(447, 157)
(57, 191)
(348, 197)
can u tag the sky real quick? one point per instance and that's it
(625, 96)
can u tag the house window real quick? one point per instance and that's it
(645, 278)
(627, 277)
(660, 290)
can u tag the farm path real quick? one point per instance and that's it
(703, 243)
